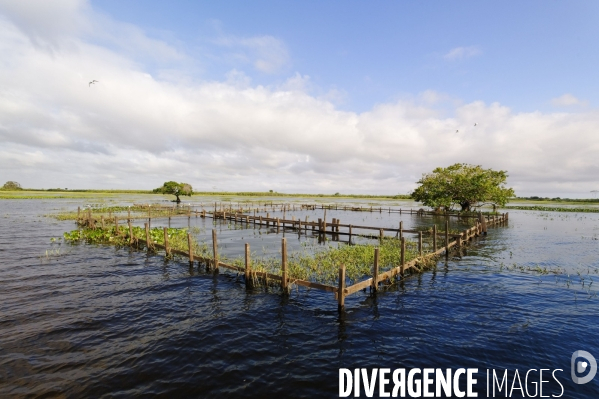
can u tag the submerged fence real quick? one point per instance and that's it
(442, 241)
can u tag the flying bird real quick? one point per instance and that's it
(92, 82)
(457, 131)
(475, 124)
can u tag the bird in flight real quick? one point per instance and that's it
(475, 124)
(457, 131)
(92, 82)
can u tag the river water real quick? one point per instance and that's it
(96, 321)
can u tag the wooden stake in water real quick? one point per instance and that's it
(248, 270)
(403, 253)
(214, 251)
(446, 238)
(147, 235)
(375, 271)
(284, 264)
(166, 247)
(130, 232)
(341, 288)
(420, 243)
(190, 247)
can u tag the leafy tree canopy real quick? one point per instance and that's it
(468, 186)
(174, 188)
(11, 185)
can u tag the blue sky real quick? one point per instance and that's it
(520, 54)
(351, 97)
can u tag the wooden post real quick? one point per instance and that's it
(248, 270)
(284, 265)
(484, 224)
(166, 247)
(129, 213)
(130, 232)
(147, 235)
(446, 238)
(320, 226)
(267, 217)
(102, 221)
(78, 212)
(434, 238)
(460, 240)
(214, 251)
(420, 243)
(190, 248)
(341, 288)
(400, 230)
(278, 225)
(375, 272)
(350, 233)
(403, 253)
(381, 235)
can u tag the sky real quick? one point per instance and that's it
(298, 97)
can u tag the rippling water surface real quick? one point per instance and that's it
(96, 321)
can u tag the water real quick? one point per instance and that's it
(95, 321)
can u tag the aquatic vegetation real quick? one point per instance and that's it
(321, 265)
(312, 263)
(177, 237)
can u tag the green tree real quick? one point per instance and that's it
(468, 186)
(174, 188)
(11, 185)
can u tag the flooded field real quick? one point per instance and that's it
(99, 321)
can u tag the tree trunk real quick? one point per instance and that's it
(178, 200)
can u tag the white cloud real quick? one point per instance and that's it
(460, 53)
(133, 129)
(567, 100)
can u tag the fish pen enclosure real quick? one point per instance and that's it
(351, 267)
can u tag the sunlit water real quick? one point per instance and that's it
(96, 321)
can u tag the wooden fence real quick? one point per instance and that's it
(321, 227)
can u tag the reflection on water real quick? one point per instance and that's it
(93, 321)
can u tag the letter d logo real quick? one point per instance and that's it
(580, 367)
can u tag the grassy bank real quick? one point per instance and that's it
(46, 194)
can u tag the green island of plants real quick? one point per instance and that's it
(311, 263)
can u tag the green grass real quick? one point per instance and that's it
(552, 209)
(60, 193)
(321, 265)
(312, 263)
(177, 237)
